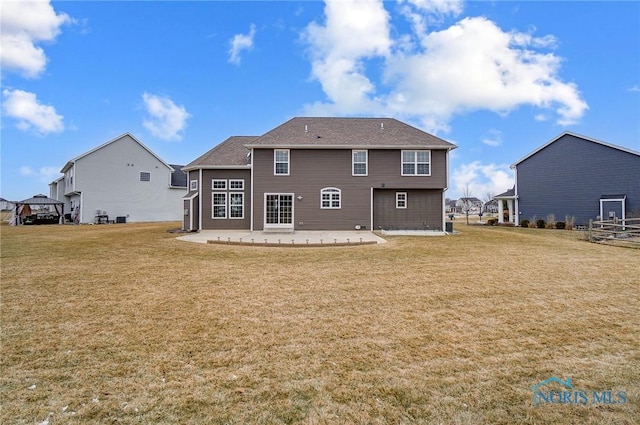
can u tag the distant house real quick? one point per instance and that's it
(6, 205)
(450, 206)
(122, 180)
(576, 176)
(473, 204)
(321, 174)
(490, 207)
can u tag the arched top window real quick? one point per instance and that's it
(330, 198)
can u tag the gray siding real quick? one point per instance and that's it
(423, 211)
(569, 176)
(206, 200)
(314, 169)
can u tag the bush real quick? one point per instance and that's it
(560, 224)
(524, 223)
(540, 224)
(492, 222)
(550, 220)
(569, 222)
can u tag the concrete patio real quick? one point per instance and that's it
(312, 238)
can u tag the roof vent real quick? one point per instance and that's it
(381, 126)
(306, 130)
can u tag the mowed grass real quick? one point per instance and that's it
(125, 324)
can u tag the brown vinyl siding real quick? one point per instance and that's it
(423, 211)
(206, 200)
(314, 169)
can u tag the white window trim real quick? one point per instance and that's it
(193, 185)
(213, 205)
(275, 153)
(232, 181)
(331, 191)
(213, 184)
(398, 194)
(415, 163)
(366, 162)
(148, 173)
(232, 205)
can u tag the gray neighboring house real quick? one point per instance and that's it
(321, 174)
(577, 176)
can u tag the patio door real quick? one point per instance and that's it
(278, 210)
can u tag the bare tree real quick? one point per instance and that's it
(467, 204)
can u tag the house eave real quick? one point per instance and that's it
(369, 147)
(217, 167)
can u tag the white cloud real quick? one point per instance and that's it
(166, 119)
(494, 138)
(634, 88)
(472, 65)
(354, 31)
(241, 42)
(420, 12)
(44, 174)
(31, 115)
(481, 179)
(23, 25)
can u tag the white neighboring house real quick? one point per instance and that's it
(121, 179)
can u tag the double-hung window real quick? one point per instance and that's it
(281, 162)
(236, 205)
(330, 198)
(219, 205)
(359, 163)
(416, 163)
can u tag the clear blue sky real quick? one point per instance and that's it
(497, 78)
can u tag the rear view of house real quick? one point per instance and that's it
(577, 176)
(322, 174)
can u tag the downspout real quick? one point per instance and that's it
(446, 187)
(516, 205)
(371, 209)
(200, 199)
(251, 194)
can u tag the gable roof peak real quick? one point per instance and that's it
(578, 136)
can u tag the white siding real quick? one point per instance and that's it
(109, 180)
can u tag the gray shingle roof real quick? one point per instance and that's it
(310, 132)
(230, 153)
(178, 177)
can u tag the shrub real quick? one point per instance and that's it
(492, 222)
(540, 224)
(569, 220)
(560, 224)
(524, 223)
(550, 220)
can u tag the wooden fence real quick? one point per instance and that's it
(616, 232)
